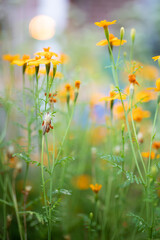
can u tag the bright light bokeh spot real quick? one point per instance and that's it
(42, 27)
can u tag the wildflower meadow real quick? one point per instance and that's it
(74, 165)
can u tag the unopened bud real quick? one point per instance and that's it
(91, 215)
(121, 33)
(154, 170)
(133, 34)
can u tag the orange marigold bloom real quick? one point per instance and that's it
(156, 145)
(156, 58)
(82, 182)
(63, 58)
(68, 87)
(112, 96)
(77, 84)
(96, 188)
(139, 114)
(45, 53)
(118, 110)
(145, 96)
(157, 89)
(132, 79)
(21, 62)
(104, 23)
(10, 58)
(30, 70)
(146, 155)
(114, 41)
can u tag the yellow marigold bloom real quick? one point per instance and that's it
(45, 53)
(104, 23)
(10, 58)
(48, 59)
(21, 62)
(146, 155)
(96, 188)
(114, 41)
(157, 89)
(139, 114)
(145, 96)
(63, 58)
(156, 145)
(82, 182)
(30, 70)
(156, 58)
(118, 110)
(77, 84)
(112, 96)
(42, 71)
(58, 75)
(34, 61)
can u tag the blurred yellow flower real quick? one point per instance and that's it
(63, 58)
(114, 41)
(139, 114)
(10, 58)
(81, 182)
(118, 110)
(46, 52)
(21, 62)
(96, 188)
(30, 70)
(104, 23)
(57, 75)
(145, 96)
(112, 96)
(156, 58)
(157, 89)
(146, 155)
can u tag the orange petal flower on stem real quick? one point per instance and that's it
(82, 182)
(45, 53)
(156, 58)
(104, 23)
(157, 89)
(63, 58)
(112, 96)
(21, 62)
(132, 79)
(96, 188)
(156, 145)
(77, 84)
(139, 114)
(10, 58)
(145, 96)
(114, 41)
(146, 155)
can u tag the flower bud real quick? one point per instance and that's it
(131, 89)
(91, 215)
(133, 34)
(154, 170)
(121, 33)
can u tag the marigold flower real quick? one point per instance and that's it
(139, 114)
(68, 87)
(104, 23)
(10, 58)
(145, 96)
(114, 41)
(96, 188)
(45, 53)
(57, 75)
(157, 89)
(63, 58)
(132, 79)
(82, 182)
(34, 61)
(21, 62)
(156, 145)
(30, 70)
(146, 155)
(155, 58)
(47, 123)
(77, 84)
(112, 96)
